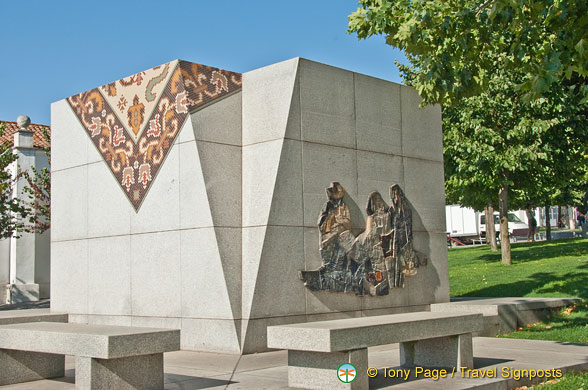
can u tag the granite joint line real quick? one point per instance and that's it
(211, 227)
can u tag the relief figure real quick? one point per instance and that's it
(375, 261)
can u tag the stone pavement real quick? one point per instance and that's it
(199, 370)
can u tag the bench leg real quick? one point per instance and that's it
(22, 366)
(318, 370)
(136, 372)
(452, 351)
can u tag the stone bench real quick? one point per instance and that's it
(31, 315)
(317, 349)
(107, 357)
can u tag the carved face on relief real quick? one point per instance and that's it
(395, 193)
(375, 203)
(335, 191)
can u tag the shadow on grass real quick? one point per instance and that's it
(572, 284)
(569, 327)
(542, 250)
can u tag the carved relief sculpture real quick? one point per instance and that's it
(376, 260)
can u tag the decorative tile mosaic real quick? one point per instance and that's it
(133, 122)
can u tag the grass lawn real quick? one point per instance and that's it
(571, 381)
(541, 269)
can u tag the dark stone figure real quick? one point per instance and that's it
(376, 260)
(371, 275)
(335, 241)
(397, 243)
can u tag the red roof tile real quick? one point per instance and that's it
(39, 140)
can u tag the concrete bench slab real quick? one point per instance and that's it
(503, 315)
(107, 357)
(8, 317)
(317, 349)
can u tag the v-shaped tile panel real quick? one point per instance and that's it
(135, 136)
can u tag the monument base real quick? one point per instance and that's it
(19, 293)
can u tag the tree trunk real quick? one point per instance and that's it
(504, 239)
(572, 218)
(547, 224)
(490, 230)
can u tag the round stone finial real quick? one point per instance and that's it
(23, 122)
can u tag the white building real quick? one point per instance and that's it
(25, 262)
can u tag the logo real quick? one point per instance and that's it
(346, 373)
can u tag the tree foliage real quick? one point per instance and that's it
(536, 149)
(13, 211)
(454, 42)
(511, 76)
(28, 212)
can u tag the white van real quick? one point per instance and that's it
(516, 227)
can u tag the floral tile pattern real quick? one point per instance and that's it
(134, 122)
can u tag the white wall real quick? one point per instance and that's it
(216, 247)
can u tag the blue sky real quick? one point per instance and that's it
(54, 49)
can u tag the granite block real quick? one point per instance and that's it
(356, 333)
(106, 202)
(321, 165)
(327, 104)
(194, 205)
(129, 373)
(269, 272)
(377, 172)
(432, 280)
(378, 137)
(286, 203)
(156, 277)
(204, 334)
(449, 352)
(254, 331)
(421, 127)
(219, 122)
(69, 141)
(378, 111)
(93, 319)
(326, 129)
(320, 302)
(221, 169)
(205, 282)
(424, 188)
(267, 97)
(157, 322)
(69, 204)
(69, 276)
(21, 366)
(261, 163)
(377, 101)
(160, 209)
(312, 256)
(109, 275)
(316, 370)
(31, 315)
(186, 132)
(98, 341)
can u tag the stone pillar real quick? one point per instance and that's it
(22, 250)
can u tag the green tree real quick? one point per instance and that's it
(37, 194)
(13, 212)
(492, 141)
(30, 212)
(453, 42)
(481, 61)
(561, 178)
